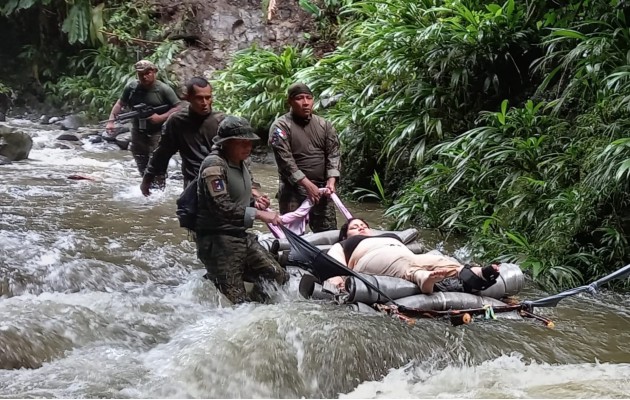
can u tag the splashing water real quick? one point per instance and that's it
(102, 296)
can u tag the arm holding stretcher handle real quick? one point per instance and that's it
(302, 212)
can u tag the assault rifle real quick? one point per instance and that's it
(140, 111)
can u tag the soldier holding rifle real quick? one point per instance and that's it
(149, 92)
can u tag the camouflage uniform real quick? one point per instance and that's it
(305, 148)
(224, 212)
(231, 260)
(145, 136)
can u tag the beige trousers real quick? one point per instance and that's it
(399, 261)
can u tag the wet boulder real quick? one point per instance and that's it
(68, 137)
(63, 145)
(87, 133)
(95, 139)
(119, 130)
(123, 141)
(15, 145)
(4, 160)
(71, 122)
(108, 138)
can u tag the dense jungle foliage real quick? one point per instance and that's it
(501, 122)
(79, 52)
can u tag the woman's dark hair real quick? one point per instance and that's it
(343, 232)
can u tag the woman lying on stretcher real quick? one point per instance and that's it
(386, 255)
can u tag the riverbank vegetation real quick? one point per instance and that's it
(504, 122)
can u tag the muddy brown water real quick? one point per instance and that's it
(102, 296)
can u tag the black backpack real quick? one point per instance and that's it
(187, 206)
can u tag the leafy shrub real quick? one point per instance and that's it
(255, 83)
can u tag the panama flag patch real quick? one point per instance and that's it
(280, 133)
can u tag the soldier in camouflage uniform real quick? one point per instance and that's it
(306, 148)
(228, 202)
(145, 133)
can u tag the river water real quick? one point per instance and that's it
(102, 296)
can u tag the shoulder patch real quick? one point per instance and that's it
(211, 171)
(215, 180)
(280, 133)
(218, 185)
(277, 135)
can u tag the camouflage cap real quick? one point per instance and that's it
(144, 65)
(233, 127)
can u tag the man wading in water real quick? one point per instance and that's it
(306, 149)
(145, 133)
(228, 202)
(189, 131)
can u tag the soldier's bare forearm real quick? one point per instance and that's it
(115, 110)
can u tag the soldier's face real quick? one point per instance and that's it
(302, 105)
(147, 77)
(201, 100)
(237, 150)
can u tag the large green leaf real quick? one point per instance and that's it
(77, 23)
(310, 7)
(96, 24)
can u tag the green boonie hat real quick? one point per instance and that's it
(144, 65)
(233, 127)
